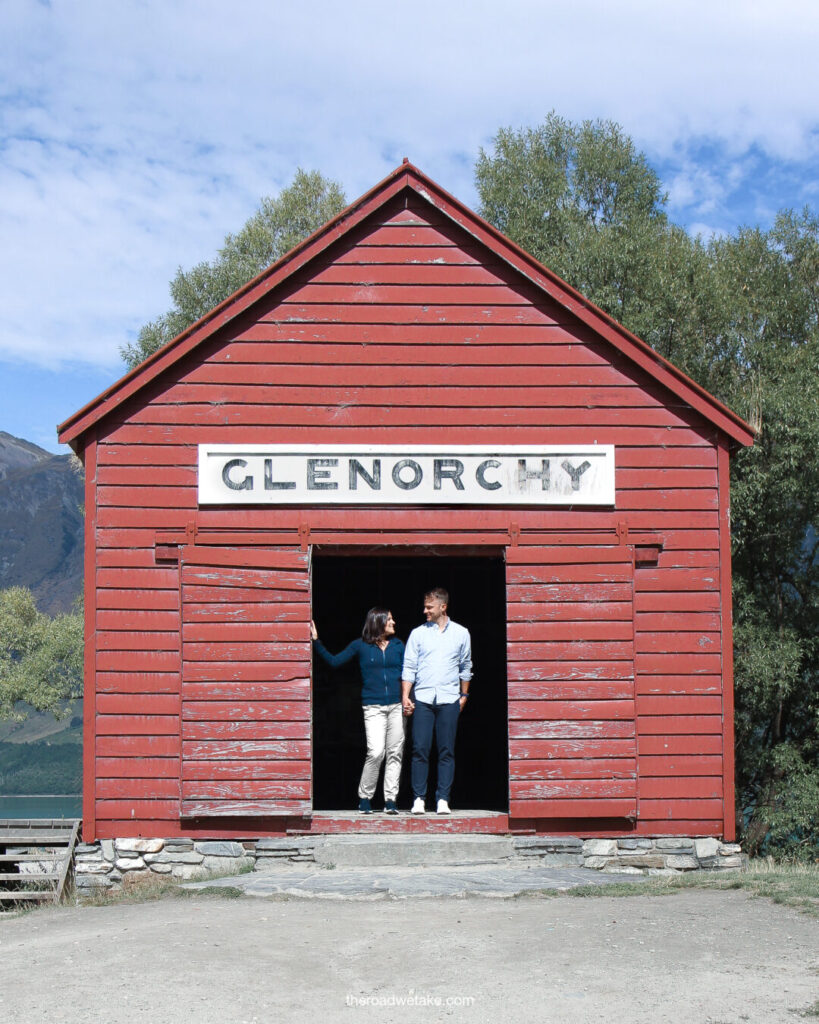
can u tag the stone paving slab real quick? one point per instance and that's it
(373, 851)
(375, 883)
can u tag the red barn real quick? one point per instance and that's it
(407, 399)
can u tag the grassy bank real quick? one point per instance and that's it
(792, 885)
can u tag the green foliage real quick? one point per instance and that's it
(40, 656)
(277, 226)
(792, 819)
(773, 336)
(741, 316)
(583, 201)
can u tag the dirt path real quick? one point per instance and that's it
(699, 957)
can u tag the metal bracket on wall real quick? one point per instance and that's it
(622, 531)
(514, 535)
(304, 536)
(190, 533)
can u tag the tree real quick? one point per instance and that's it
(583, 201)
(40, 656)
(773, 336)
(277, 226)
(741, 316)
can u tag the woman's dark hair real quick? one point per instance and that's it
(374, 625)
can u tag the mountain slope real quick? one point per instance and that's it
(18, 454)
(41, 523)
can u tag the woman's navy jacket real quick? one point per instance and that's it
(380, 670)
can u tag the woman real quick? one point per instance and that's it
(380, 657)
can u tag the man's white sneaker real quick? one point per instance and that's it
(443, 807)
(418, 807)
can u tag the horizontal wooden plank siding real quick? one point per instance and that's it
(559, 699)
(137, 745)
(223, 709)
(678, 640)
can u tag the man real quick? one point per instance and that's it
(438, 663)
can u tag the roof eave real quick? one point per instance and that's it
(234, 305)
(738, 432)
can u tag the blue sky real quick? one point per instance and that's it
(134, 134)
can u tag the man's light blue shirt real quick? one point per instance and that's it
(436, 660)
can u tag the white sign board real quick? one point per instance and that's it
(277, 474)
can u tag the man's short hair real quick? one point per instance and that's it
(439, 593)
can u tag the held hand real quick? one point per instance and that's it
(408, 706)
(313, 631)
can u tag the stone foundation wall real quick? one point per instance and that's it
(105, 864)
(110, 862)
(667, 856)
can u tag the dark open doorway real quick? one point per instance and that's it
(344, 587)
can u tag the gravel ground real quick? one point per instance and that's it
(699, 957)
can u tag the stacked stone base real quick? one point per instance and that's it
(666, 856)
(114, 863)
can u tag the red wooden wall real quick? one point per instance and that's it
(408, 330)
(570, 671)
(245, 683)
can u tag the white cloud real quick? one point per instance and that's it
(134, 134)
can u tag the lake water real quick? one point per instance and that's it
(40, 806)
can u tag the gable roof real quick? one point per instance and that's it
(407, 176)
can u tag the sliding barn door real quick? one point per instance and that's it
(572, 721)
(245, 682)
